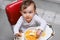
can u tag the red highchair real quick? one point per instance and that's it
(12, 11)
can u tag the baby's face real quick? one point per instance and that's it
(28, 13)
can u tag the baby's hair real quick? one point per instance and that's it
(27, 3)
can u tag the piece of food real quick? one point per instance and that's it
(30, 35)
(43, 34)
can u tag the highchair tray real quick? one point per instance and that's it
(46, 34)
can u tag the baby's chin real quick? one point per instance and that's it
(28, 20)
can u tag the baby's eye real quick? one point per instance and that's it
(24, 12)
(30, 12)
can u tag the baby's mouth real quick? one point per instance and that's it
(27, 18)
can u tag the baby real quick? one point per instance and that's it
(29, 19)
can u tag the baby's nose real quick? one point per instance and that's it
(27, 15)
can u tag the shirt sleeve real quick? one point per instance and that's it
(41, 22)
(17, 25)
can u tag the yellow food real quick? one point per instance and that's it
(30, 35)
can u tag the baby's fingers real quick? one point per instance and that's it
(18, 35)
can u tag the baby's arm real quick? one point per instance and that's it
(42, 26)
(17, 26)
(41, 22)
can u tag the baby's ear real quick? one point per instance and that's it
(20, 11)
(35, 11)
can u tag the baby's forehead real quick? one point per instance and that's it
(28, 8)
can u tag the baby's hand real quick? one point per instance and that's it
(18, 34)
(38, 33)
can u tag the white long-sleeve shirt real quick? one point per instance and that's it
(35, 22)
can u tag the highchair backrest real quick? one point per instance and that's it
(12, 11)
